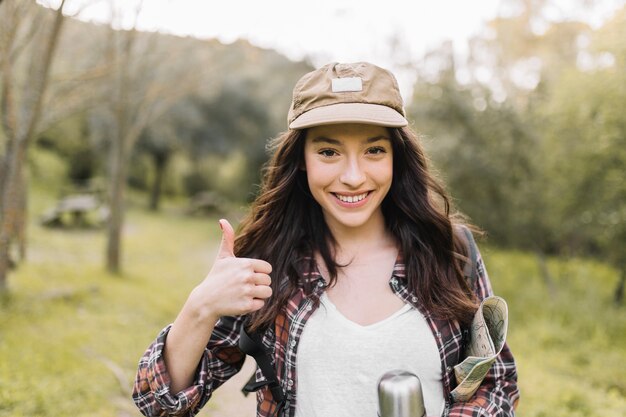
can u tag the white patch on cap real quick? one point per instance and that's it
(341, 85)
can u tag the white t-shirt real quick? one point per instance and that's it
(339, 362)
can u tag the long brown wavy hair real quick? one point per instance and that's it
(285, 225)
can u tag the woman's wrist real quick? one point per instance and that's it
(199, 311)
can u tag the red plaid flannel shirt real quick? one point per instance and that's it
(496, 397)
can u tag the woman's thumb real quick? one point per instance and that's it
(227, 247)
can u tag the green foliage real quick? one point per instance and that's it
(534, 152)
(49, 168)
(584, 154)
(70, 140)
(483, 151)
(141, 172)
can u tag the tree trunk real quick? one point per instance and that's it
(160, 164)
(19, 136)
(619, 290)
(134, 107)
(116, 219)
(118, 162)
(3, 164)
(10, 208)
(22, 217)
(117, 175)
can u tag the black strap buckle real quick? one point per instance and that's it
(250, 344)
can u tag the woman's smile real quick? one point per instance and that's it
(352, 200)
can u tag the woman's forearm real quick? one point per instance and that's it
(185, 345)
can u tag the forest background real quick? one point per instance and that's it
(166, 134)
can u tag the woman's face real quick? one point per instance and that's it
(349, 170)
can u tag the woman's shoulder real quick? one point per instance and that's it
(464, 237)
(464, 230)
(466, 233)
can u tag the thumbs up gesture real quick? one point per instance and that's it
(234, 285)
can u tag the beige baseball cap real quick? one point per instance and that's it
(347, 93)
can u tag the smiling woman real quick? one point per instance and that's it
(348, 265)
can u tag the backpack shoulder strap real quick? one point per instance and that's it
(250, 344)
(470, 269)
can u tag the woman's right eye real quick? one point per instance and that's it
(327, 153)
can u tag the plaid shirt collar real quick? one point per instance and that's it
(310, 274)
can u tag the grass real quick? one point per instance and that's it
(71, 334)
(570, 346)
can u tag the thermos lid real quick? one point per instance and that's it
(400, 395)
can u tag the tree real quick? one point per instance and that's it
(21, 104)
(160, 142)
(532, 139)
(38, 91)
(148, 79)
(233, 120)
(585, 144)
(482, 147)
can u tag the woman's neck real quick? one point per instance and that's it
(354, 242)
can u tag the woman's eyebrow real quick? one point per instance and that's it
(324, 139)
(377, 138)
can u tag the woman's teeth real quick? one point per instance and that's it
(351, 198)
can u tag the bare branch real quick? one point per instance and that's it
(153, 108)
(91, 74)
(74, 102)
(35, 23)
(19, 24)
(137, 13)
(7, 104)
(42, 75)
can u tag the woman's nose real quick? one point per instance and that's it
(353, 174)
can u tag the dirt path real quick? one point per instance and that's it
(228, 401)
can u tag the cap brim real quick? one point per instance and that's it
(373, 114)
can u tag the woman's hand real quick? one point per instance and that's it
(234, 286)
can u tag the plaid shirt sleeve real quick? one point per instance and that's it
(221, 360)
(498, 394)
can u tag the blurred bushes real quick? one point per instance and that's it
(529, 132)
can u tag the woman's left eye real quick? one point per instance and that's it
(376, 150)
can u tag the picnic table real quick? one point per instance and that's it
(207, 203)
(76, 210)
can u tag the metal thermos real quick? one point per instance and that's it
(400, 395)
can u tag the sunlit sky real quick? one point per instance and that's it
(328, 30)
